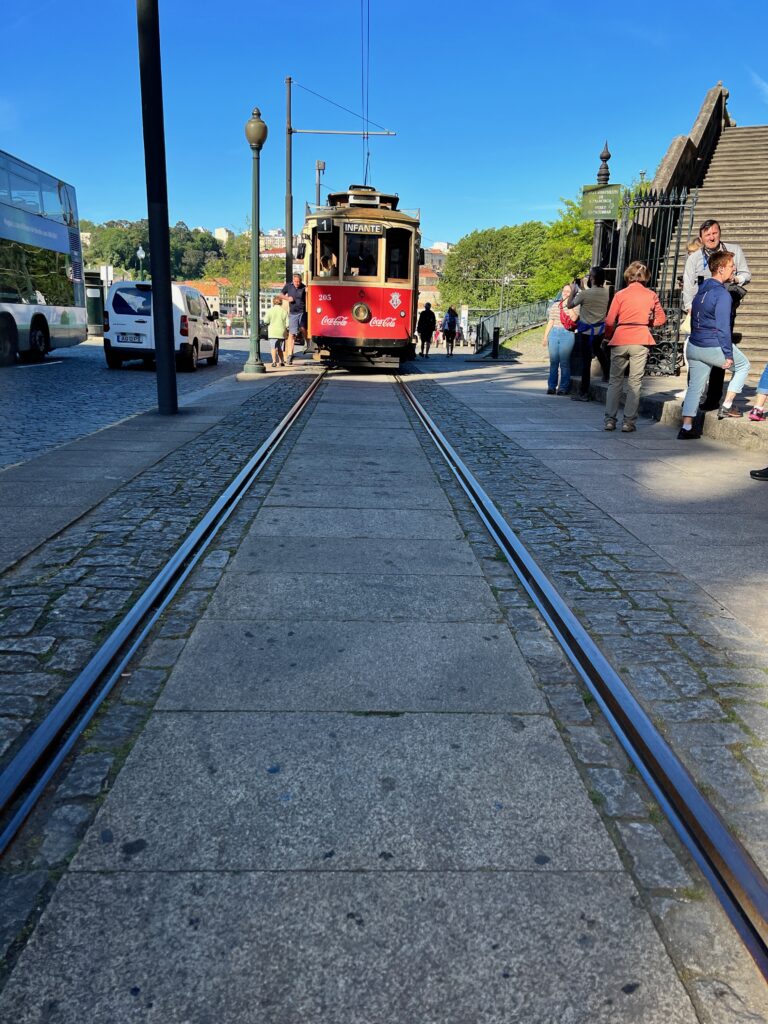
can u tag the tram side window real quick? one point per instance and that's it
(399, 243)
(362, 259)
(326, 250)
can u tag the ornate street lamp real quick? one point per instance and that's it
(140, 254)
(256, 134)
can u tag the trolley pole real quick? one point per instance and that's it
(288, 183)
(150, 72)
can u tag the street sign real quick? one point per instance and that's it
(601, 202)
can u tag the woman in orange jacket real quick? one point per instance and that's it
(634, 310)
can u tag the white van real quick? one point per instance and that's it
(129, 331)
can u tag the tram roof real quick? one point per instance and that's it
(360, 200)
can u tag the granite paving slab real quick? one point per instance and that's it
(286, 552)
(352, 523)
(336, 948)
(310, 495)
(354, 791)
(376, 666)
(387, 598)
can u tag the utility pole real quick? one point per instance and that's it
(289, 132)
(150, 73)
(319, 168)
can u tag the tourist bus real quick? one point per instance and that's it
(42, 295)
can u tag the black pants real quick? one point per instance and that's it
(450, 337)
(426, 340)
(590, 348)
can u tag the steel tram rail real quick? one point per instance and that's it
(737, 881)
(26, 776)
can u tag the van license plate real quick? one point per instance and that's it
(129, 339)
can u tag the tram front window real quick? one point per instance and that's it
(326, 250)
(399, 243)
(362, 258)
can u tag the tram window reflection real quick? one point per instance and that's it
(326, 250)
(362, 258)
(399, 243)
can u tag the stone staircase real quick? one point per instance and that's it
(735, 193)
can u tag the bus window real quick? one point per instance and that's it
(55, 200)
(5, 187)
(325, 247)
(399, 243)
(362, 259)
(25, 194)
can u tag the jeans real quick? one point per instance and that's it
(560, 345)
(622, 356)
(762, 385)
(700, 362)
(590, 348)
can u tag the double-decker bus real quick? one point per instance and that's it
(42, 295)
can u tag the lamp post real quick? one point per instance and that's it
(256, 134)
(140, 254)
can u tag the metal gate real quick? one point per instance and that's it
(654, 228)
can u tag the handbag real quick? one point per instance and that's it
(566, 320)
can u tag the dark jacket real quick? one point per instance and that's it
(711, 317)
(427, 322)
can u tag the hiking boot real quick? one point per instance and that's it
(729, 413)
(610, 423)
(628, 428)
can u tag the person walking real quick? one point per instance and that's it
(559, 341)
(296, 293)
(593, 305)
(757, 413)
(425, 328)
(277, 328)
(710, 345)
(449, 325)
(697, 270)
(634, 310)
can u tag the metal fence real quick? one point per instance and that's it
(654, 228)
(510, 321)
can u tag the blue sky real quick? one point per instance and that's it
(499, 110)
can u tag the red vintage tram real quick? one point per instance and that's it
(361, 262)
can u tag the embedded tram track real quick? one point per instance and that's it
(739, 885)
(27, 775)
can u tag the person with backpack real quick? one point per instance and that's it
(590, 327)
(559, 339)
(425, 328)
(450, 323)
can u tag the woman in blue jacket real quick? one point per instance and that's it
(710, 345)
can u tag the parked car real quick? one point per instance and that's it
(129, 329)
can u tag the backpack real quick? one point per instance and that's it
(566, 320)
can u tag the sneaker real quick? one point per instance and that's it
(580, 398)
(688, 435)
(731, 413)
(759, 474)
(757, 415)
(628, 428)
(561, 392)
(609, 424)
(551, 391)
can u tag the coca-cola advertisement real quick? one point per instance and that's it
(379, 312)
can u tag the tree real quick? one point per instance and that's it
(479, 262)
(565, 253)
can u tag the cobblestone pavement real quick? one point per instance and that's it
(701, 673)
(719, 978)
(72, 394)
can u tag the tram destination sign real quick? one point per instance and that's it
(601, 202)
(353, 227)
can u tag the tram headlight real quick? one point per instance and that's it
(402, 312)
(361, 312)
(319, 309)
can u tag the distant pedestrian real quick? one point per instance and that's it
(634, 310)
(710, 345)
(450, 323)
(277, 328)
(697, 270)
(425, 328)
(559, 341)
(590, 328)
(296, 294)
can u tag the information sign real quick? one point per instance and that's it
(364, 228)
(601, 202)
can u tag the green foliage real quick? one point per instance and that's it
(476, 265)
(116, 242)
(565, 253)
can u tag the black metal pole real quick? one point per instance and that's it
(495, 343)
(157, 203)
(288, 183)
